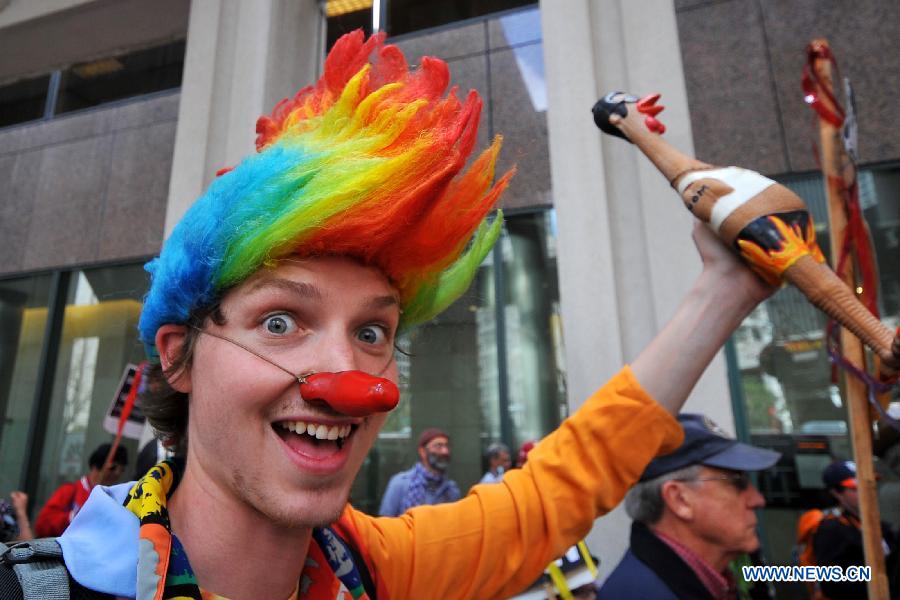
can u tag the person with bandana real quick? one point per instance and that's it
(426, 482)
(271, 322)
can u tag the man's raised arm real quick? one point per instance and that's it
(724, 293)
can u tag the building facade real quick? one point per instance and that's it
(109, 133)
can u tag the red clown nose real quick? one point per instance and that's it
(352, 393)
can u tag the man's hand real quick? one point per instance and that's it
(723, 263)
(19, 501)
(20, 505)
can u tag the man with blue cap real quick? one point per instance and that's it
(694, 512)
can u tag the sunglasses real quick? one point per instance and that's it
(739, 479)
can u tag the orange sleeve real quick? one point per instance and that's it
(499, 538)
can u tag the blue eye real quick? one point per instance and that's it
(279, 324)
(371, 334)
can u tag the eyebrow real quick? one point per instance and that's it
(310, 291)
(300, 288)
(382, 302)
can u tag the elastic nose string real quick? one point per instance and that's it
(301, 378)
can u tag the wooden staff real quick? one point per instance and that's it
(855, 393)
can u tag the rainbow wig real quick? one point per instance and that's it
(367, 163)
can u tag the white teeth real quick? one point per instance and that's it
(322, 432)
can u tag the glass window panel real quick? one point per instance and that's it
(23, 100)
(536, 377)
(99, 338)
(405, 16)
(23, 319)
(116, 77)
(345, 22)
(408, 16)
(519, 27)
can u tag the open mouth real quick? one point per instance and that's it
(312, 438)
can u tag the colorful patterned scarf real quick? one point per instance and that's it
(164, 571)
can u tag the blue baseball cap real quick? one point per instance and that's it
(705, 443)
(840, 474)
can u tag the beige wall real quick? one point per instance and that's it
(86, 187)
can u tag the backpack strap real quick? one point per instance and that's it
(39, 567)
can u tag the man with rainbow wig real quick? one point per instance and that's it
(272, 315)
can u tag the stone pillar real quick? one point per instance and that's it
(625, 252)
(242, 58)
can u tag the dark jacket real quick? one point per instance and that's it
(838, 541)
(651, 570)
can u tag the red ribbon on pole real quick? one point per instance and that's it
(126, 411)
(813, 90)
(856, 244)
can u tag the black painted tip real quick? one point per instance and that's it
(612, 103)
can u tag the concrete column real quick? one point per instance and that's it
(242, 58)
(625, 252)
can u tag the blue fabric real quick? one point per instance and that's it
(633, 579)
(100, 546)
(491, 478)
(392, 501)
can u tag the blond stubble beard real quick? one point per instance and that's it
(286, 519)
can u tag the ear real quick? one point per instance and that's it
(421, 453)
(169, 342)
(677, 500)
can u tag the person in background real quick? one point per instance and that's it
(68, 498)
(426, 482)
(524, 449)
(838, 541)
(14, 523)
(694, 512)
(498, 460)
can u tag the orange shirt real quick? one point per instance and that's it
(498, 539)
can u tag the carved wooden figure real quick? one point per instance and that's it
(767, 224)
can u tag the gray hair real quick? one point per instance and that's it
(495, 449)
(644, 501)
